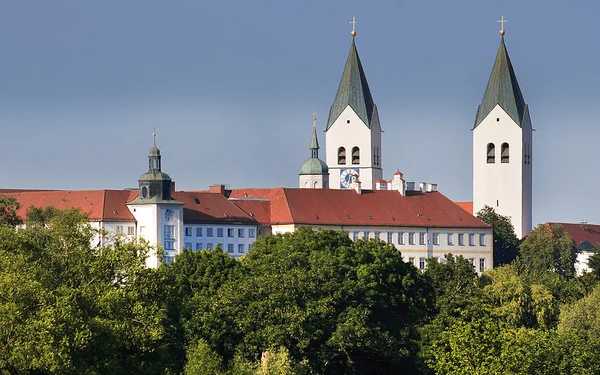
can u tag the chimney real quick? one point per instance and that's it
(219, 189)
(398, 183)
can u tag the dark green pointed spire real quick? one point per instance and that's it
(314, 165)
(314, 143)
(502, 89)
(353, 90)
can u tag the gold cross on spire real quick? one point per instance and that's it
(353, 32)
(502, 21)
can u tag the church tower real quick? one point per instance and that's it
(502, 147)
(353, 133)
(158, 215)
(314, 173)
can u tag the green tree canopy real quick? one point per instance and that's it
(506, 244)
(8, 211)
(548, 248)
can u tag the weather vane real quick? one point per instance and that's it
(353, 32)
(502, 21)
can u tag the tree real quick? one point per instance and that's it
(67, 307)
(505, 241)
(337, 305)
(594, 262)
(548, 248)
(582, 317)
(8, 211)
(36, 215)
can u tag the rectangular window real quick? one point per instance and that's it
(390, 240)
(482, 240)
(219, 232)
(119, 229)
(251, 233)
(422, 263)
(198, 232)
(169, 231)
(230, 248)
(230, 232)
(436, 238)
(209, 232)
(377, 235)
(472, 261)
(400, 238)
(209, 246)
(240, 248)
(241, 233)
(365, 235)
(481, 264)
(471, 239)
(220, 244)
(355, 236)
(411, 238)
(450, 239)
(168, 260)
(169, 245)
(198, 246)
(421, 238)
(142, 230)
(411, 260)
(130, 230)
(188, 245)
(188, 231)
(461, 239)
(250, 247)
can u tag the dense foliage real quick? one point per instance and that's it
(309, 302)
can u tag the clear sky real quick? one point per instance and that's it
(231, 87)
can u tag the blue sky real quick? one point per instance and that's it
(231, 88)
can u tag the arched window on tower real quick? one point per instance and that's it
(355, 155)
(491, 153)
(341, 155)
(505, 153)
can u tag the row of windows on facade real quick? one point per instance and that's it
(435, 238)
(231, 232)
(241, 248)
(423, 262)
(356, 155)
(130, 230)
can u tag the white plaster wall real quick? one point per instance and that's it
(349, 135)
(500, 185)
(417, 251)
(312, 181)
(146, 216)
(204, 240)
(581, 263)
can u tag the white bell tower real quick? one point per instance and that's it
(502, 147)
(353, 133)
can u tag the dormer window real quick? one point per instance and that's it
(144, 192)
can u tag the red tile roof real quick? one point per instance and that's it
(467, 206)
(207, 207)
(581, 233)
(99, 205)
(371, 208)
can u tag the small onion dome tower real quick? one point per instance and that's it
(155, 186)
(314, 173)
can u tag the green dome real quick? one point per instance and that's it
(314, 166)
(154, 151)
(156, 176)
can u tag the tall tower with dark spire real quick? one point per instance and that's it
(502, 147)
(353, 133)
(314, 173)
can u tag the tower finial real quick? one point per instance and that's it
(154, 135)
(353, 32)
(315, 119)
(502, 21)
